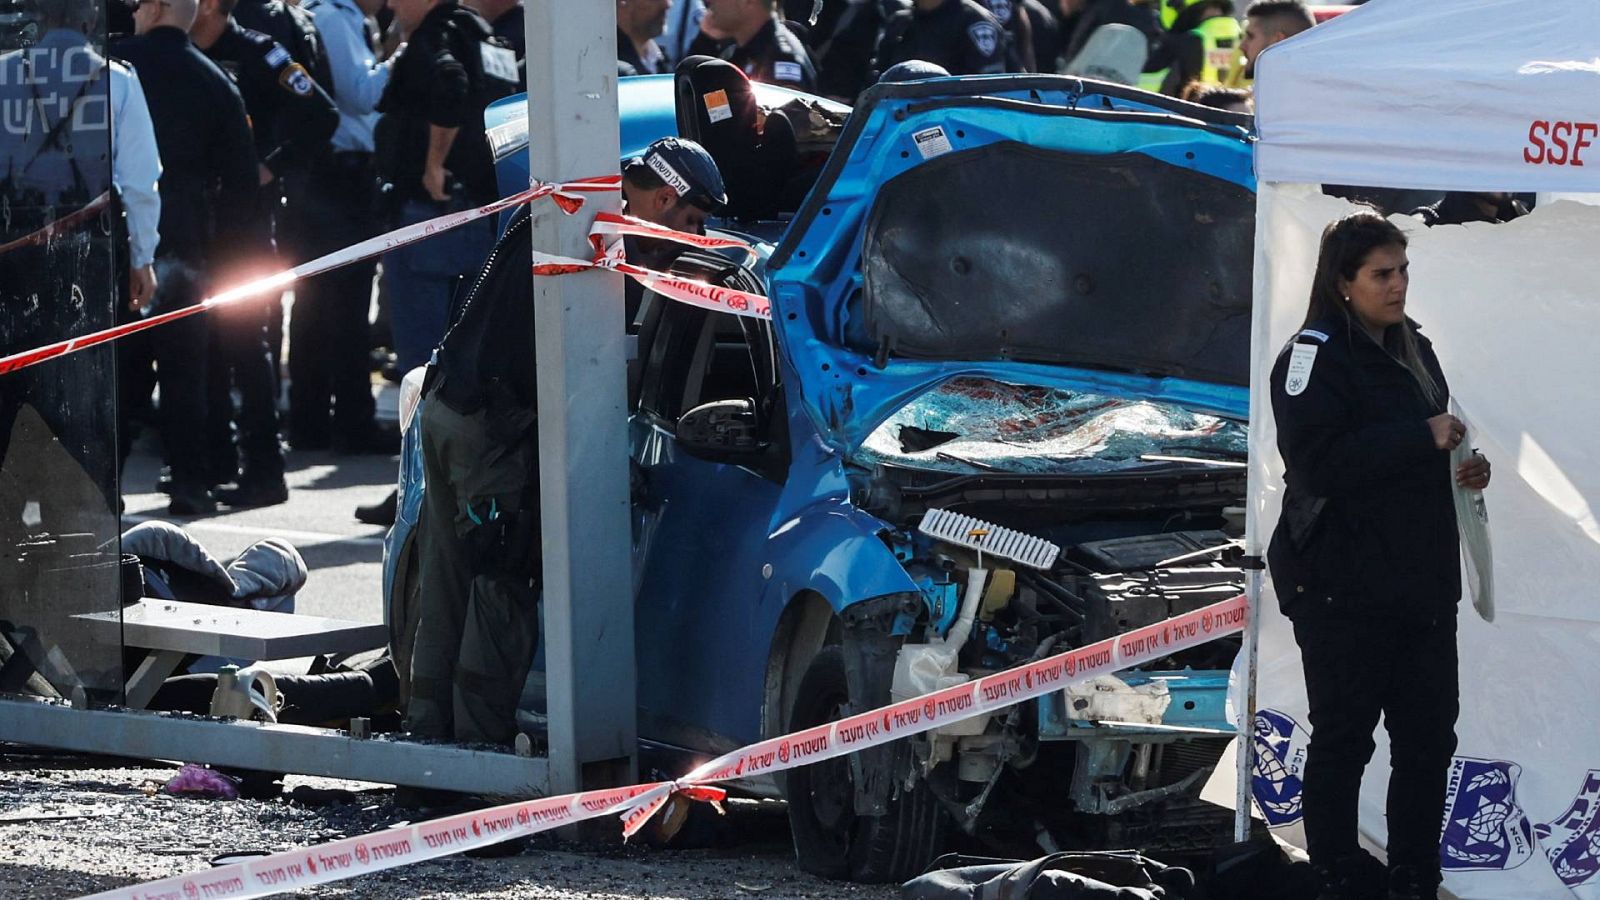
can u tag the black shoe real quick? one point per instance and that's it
(1414, 883)
(191, 500)
(374, 441)
(1355, 877)
(164, 481)
(255, 492)
(380, 513)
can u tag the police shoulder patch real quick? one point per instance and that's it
(788, 71)
(1318, 336)
(1000, 9)
(1301, 358)
(296, 80)
(985, 37)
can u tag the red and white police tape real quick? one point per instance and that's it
(569, 197)
(674, 287)
(389, 849)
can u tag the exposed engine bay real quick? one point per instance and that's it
(1121, 758)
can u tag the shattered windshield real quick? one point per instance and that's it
(975, 425)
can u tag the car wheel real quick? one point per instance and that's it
(830, 839)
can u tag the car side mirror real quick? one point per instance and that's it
(721, 431)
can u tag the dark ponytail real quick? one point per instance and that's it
(1346, 244)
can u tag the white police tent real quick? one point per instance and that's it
(1470, 95)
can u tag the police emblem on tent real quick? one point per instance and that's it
(1572, 841)
(1280, 756)
(985, 37)
(1484, 827)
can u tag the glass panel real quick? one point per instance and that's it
(59, 232)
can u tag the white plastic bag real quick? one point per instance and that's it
(1472, 520)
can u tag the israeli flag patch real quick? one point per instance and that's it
(788, 71)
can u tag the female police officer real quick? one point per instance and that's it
(1365, 557)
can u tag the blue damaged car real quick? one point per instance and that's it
(1022, 300)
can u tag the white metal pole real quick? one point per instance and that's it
(583, 438)
(1244, 751)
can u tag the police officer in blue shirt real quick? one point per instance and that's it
(330, 394)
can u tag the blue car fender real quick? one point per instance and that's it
(833, 550)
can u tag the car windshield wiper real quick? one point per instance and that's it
(951, 457)
(1194, 460)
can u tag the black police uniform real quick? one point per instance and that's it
(844, 50)
(959, 35)
(295, 30)
(292, 119)
(440, 79)
(292, 27)
(1366, 563)
(208, 178)
(291, 115)
(775, 56)
(1018, 24)
(476, 620)
(509, 28)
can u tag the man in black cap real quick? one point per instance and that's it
(760, 44)
(477, 621)
(675, 184)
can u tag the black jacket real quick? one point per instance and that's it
(291, 116)
(1368, 523)
(775, 56)
(292, 27)
(487, 358)
(208, 162)
(844, 51)
(960, 35)
(443, 78)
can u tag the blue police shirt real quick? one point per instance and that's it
(358, 78)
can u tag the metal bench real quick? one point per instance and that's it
(168, 630)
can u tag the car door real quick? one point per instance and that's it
(700, 527)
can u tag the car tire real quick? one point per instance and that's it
(830, 839)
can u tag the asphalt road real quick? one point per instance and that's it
(344, 556)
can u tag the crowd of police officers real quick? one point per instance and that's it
(285, 131)
(838, 48)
